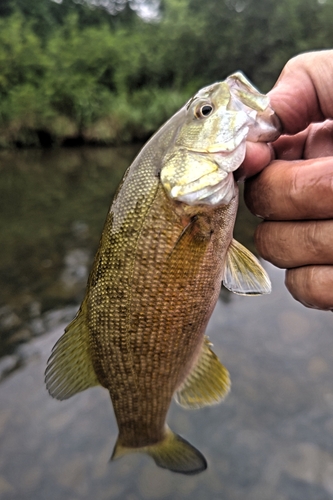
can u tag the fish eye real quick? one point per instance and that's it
(204, 111)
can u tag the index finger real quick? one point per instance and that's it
(295, 190)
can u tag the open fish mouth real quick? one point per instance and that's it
(230, 160)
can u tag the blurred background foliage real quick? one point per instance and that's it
(111, 71)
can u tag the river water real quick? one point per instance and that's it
(272, 439)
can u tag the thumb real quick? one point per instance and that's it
(303, 93)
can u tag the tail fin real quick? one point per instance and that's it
(173, 453)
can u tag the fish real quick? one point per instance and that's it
(166, 248)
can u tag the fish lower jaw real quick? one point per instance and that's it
(212, 196)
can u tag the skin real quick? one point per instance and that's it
(293, 194)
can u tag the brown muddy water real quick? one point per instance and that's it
(272, 439)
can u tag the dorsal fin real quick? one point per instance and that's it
(207, 384)
(243, 273)
(69, 369)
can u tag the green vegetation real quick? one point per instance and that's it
(73, 71)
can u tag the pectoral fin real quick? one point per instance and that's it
(207, 384)
(243, 274)
(69, 368)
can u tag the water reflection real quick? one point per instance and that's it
(273, 437)
(52, 209)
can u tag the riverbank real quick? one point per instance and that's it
(133, 118)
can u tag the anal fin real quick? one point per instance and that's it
(207, 384)
(69, 369)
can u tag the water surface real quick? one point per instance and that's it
(52, 208)
(272, 439)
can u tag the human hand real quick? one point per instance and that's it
(294, 193)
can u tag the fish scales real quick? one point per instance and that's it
(165, 249)
(155, 332)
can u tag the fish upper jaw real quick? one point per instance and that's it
(264, 124)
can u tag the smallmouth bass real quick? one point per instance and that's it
(166, 248)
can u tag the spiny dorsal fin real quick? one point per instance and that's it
(243, 274)
(173, 453)
(207, 384)
(69, 369)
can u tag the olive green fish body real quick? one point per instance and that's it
(149, 303)
(165, 249)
